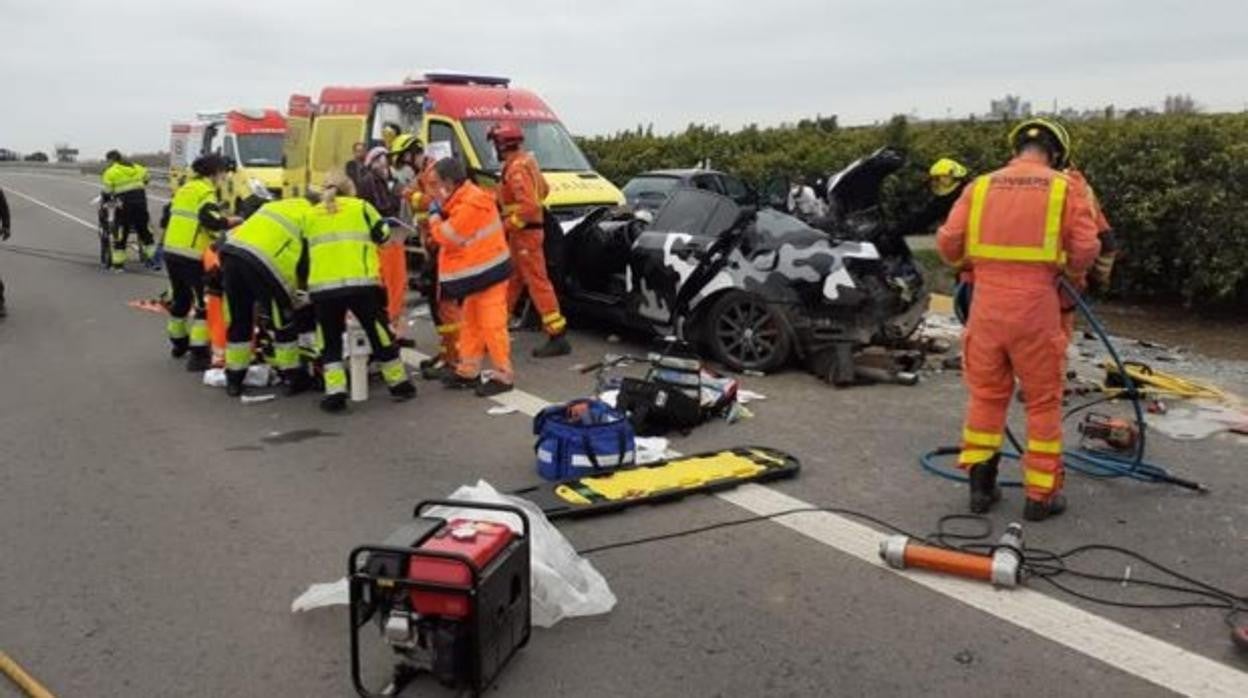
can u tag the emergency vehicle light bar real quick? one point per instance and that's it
(462, 79)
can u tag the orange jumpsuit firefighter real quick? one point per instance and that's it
(520, 195)
(445, 311)
(1020, 227)
(474, 264)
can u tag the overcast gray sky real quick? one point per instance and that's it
(105, 74)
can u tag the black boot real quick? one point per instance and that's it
(493, 387)
(334, 403)
(200, 360)
(295, 381)
(454, 381)
(557, 345)
(1035, 510)
(433, 368)
(234, 382)
(180, 346)
(984, 489)
(401, 392)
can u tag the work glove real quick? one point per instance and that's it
(301, 299)
(435, 209)
(5, 233)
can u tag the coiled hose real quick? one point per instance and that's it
(1093, 464)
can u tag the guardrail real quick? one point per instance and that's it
(160, 175)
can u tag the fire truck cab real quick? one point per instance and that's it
(251, 139)
(452, 114)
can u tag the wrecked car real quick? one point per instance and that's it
(754, 287)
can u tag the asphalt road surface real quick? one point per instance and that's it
(153, 537)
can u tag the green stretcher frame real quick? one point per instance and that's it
(768, 464)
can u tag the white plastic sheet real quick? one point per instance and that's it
(564, 584)
(258, 376)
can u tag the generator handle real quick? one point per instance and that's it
(456, 504)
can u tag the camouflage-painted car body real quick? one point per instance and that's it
(702, 244)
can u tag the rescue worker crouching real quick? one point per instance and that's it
(262, 262)
(1020, 227)
(342, 234)
(127, 182)
(521, 191)
(474, 266)
(195, 223)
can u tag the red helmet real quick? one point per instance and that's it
(506, 134)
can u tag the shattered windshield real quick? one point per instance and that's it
(549, 142)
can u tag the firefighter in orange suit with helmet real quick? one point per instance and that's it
(520, 194)
(1021, 227)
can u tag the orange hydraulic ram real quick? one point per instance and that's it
(1001, 568)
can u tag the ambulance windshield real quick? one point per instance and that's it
(260, 149)
(549, 142)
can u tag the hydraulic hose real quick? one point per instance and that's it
(1097, 465)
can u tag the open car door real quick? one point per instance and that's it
(669, 261)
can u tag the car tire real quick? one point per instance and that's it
(744, 333)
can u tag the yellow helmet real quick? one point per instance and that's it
(945, 174)
(404, 142)
(1050, 133)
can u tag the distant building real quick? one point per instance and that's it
(64, 153)
(1009, 108)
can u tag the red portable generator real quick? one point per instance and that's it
(449, 598)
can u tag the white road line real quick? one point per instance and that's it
(52, 208)
(1119, 646)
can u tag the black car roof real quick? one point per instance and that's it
(679, 173)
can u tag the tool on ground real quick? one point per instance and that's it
(358, 352)
(1002, 567)
(450, 598)
(1133, 377)
(660, 482)
(1118, 434)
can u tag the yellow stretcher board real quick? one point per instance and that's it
(660, 482)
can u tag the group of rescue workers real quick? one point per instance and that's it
(305, 262)
(1011, 234)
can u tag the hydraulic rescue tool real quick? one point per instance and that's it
(1002, 567)
(1118, 434)
(450, 598)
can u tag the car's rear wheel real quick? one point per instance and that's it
(746, 334)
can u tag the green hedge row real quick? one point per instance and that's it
(1174, 187)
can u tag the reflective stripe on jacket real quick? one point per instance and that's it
(472, 248)
(274, 237)
(1025, 221)
(342, 248)
(119, 178)
(185, 237)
